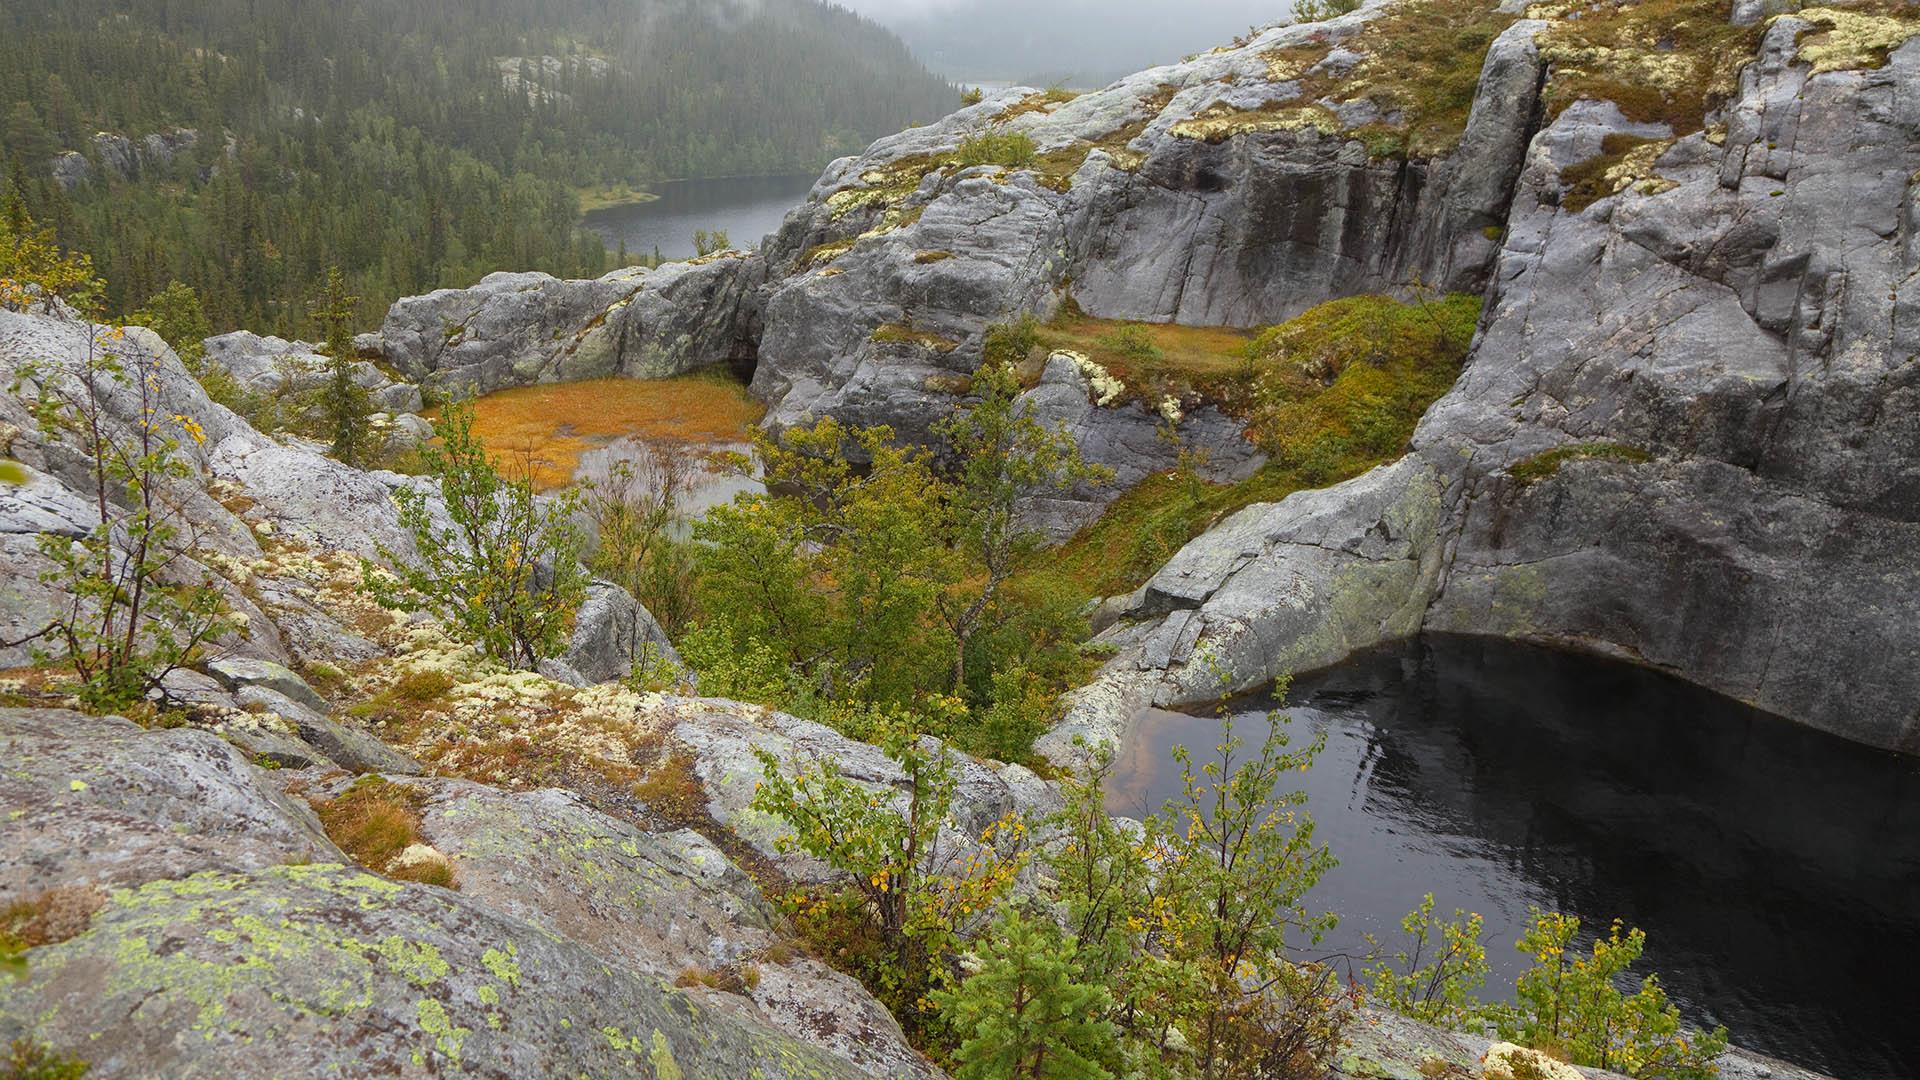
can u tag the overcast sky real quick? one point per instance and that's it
(1080, 42)
(1260, 10)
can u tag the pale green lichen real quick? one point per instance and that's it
(1217, 123)
(434, 1021)
(664, 1067)
(1842, 40)
(503, 965)
(419, 962)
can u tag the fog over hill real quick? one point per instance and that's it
(1083, 43)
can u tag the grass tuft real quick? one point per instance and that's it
(375, 822)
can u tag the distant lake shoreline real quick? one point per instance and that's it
(746, 208)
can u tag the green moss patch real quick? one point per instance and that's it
(902, 334)
(1328, 395)
(1155, 359)
(1545, 465)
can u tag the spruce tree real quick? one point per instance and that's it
(346, 401)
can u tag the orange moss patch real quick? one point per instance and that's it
(48, 918)
(545, 429)
(377, 822)
(1190, 358)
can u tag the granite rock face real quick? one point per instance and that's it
(1687, 435)
(519, 329)
(667, 905)
(235, 941)
(121, 157)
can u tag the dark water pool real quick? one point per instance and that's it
(1776, 870)
(746, 208)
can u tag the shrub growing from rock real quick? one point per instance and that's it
(137, 607)
(1013, 150)
(506, 576)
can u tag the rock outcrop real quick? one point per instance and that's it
(123, 158)
(1685, 435)
(521, 329)
(235, 941)
(1217, 191)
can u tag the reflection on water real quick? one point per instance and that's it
(746, 208)
(1776, 870)
(698, 480)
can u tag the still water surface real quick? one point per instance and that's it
(746, 208)
(1776, 870)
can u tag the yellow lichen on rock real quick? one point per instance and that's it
(1660, 61)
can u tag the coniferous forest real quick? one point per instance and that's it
(414, 144)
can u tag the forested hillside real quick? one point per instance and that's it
(413, 143)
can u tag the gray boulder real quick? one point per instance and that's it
(612, 632)
(522, 329)
(97, 801)
(661, 904)
(239, 673)
(721, 736)
(318, 970)
(333, 741)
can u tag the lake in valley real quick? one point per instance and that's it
(746, 208)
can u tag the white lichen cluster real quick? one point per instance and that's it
(1506, 1061)
(1842, 40)
(418, 855)
(1170, 410)
(1106, 387)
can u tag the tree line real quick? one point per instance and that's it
(409, 144)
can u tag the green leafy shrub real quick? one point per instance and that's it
(1133, 343)
(507, 576)
(138, 607)
(914, 893)
(635, 507)
(30, 1060)
(1009, 343)
(865, 576)
(1435, 977)
(32, 261)
(1571, 1005)
(1191, 923)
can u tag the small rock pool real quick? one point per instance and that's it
(1776, 870)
